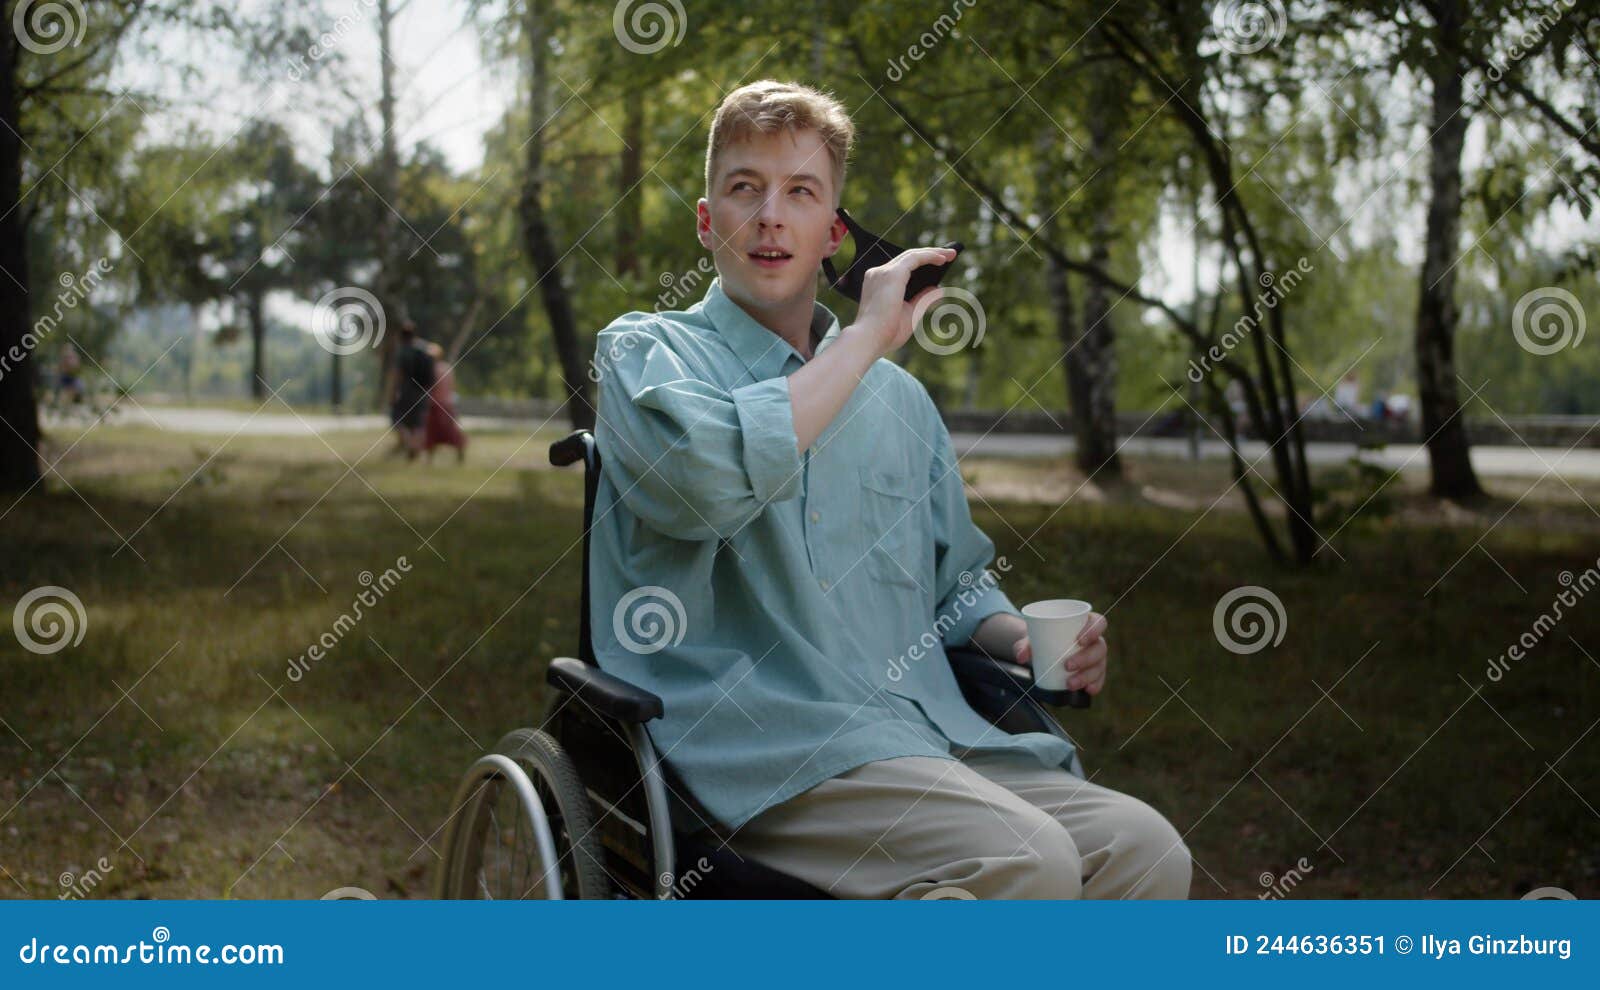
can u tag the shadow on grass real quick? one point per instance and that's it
(193, 741)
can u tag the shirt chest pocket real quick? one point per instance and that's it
(892, 530)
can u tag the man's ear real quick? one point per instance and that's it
(836, 232)
(702, 227)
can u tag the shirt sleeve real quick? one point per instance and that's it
(966, 591)
(691, 459)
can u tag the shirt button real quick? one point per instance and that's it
(816, 516)
(824, 583)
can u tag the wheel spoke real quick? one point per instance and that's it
(494, 826)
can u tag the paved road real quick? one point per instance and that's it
(1493, 461)
(1496, 461)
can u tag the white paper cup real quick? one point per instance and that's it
(1053, 628)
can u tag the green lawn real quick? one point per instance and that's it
(227, 778)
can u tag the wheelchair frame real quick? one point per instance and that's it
(645, 825)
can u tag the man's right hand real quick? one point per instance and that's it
(884, 312)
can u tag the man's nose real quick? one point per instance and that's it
(771, 212)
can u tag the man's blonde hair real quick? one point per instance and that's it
(768, 106)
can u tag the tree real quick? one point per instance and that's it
(1437, 316)
(538, 238)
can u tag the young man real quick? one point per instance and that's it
(781, 528)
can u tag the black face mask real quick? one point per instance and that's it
(872, 251)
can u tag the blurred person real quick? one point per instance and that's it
(412, 379)
(444, 425)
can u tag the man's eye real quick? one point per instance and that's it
(737, 185)
(804, 189)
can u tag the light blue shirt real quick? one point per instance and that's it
(791, 612)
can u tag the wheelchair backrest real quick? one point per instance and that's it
(579, 444)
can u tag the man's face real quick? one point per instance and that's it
(771, 193)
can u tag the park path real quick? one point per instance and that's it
(1490, 461)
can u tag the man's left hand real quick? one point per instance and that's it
(1086, 666)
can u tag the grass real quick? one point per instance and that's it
(172, 742)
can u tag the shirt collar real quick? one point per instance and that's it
(763, 351)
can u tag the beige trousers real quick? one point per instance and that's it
(993, 825)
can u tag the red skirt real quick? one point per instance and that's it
(443, 427)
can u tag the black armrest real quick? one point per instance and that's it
(606, 693)
(973, 665)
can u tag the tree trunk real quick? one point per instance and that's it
(387, 183)
(630, 208)
(1442, 427)
(19, 440)
(536, 237)
(258, 345)
(1092, 362)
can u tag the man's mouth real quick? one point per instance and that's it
(770, 257)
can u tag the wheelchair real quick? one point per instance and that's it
(583, 807)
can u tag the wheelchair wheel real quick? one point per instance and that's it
(522, 828)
